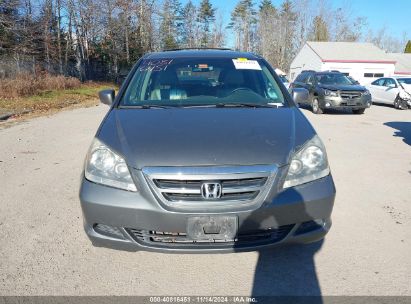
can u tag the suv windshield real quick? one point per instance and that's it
(334, 79)
(202, 81)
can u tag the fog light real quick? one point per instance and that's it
(108, 231)
(310, 226)
(328, 104)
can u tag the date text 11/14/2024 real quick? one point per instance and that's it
(203, 299)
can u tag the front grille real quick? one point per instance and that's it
(181, 187)
(189, 190)
(262, 236)
(350, 95)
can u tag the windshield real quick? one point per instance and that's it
(334, 79)
(404, 80)
(202, 81)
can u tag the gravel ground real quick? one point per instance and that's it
(44, 251)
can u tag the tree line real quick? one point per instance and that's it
(102, 39)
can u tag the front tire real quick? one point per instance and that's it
(397, 103)
(358, 111)
(315, 105)
(400, 104)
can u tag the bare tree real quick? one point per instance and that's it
(96, 39)
(218, 32)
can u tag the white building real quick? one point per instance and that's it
(402, 65)
(362, 61)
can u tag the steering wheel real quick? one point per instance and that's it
(240, 89)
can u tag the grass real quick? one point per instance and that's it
(46, 101)
(25, 84)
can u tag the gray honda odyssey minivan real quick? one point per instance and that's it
(205, 151)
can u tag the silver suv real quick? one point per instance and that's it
(205, 150)
(332, 90)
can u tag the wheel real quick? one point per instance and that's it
(397, 102)
(358, 111)
(315, 105)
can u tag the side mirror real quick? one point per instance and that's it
(107, 96)
(300, 95)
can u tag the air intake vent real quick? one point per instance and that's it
(263, 236)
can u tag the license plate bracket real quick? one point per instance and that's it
(212, 228)
(352, 103)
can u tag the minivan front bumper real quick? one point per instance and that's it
(136, 221)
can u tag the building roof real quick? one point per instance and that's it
(403, 63)
(351, 52)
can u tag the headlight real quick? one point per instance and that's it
(404, 95)
(366, 92)
(308, 164)
(330, 93)
(105, 167)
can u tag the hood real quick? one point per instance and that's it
(407, 87)
(205, 136)
(342, 87)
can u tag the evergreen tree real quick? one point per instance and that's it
(267, 30)
(288, 19)
(189, 28)
(206, 15)
(243, 23)
(266, 5)
(170, 24)
(9, 17)
(319, 30)
(408, 47)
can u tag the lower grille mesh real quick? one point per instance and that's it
(263, 236)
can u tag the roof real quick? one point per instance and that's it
(320, 72)
(350, 52)
(403, 64)
(327, 72)
(194, 53)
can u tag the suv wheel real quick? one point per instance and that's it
(358, 111)
(315, 105)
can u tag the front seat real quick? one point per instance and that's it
(166, 87)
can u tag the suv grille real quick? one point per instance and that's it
(263, 236)
(181, 187)
(350, 95)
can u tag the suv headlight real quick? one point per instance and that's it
(366, 92)
(105, 167)
(308, 164)
(330, 93)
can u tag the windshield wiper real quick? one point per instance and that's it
(245, 105)
(146, 107)
(218, 105)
